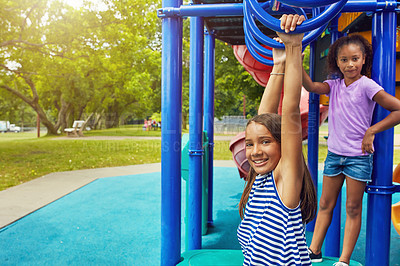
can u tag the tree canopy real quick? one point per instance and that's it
(67, 63)
(63, 63)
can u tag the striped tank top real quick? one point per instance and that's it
(271, 233)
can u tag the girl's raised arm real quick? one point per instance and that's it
(272, 93)
(292, 164)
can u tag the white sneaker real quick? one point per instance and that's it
(340, 263)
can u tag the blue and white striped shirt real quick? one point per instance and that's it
(271, 233)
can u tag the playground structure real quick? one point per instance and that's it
(396, 206)
(226, 21)
(260, 73)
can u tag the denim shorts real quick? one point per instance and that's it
(356, 167)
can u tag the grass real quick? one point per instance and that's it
(24, 157)
(24, 160)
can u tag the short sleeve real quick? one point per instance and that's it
(331, 83)
(371, 88)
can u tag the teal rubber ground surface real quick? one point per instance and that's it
(220, 257)
(116, 221)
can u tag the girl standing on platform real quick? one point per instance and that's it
(350, 143)
(279, 195)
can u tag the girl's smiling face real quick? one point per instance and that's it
(350, 60)
(263, 152)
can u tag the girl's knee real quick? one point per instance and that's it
(353, 208)
(326, 204)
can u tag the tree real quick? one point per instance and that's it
(39, 57)
(133, 61)
(232, 81)
(65, 63)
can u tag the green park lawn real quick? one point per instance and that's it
(24, 157)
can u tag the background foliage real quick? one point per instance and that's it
(101, 65)
(63, 63)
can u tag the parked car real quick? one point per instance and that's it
(14, 128)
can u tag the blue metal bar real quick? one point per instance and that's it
(206, 10)
(256, 55)
(256, 50)
(308, 3)
(250, 29)
(368, 6)
(383, 190)
(195, 132)
(379, 205)
(209, 70)
(332, 238)
(308, 25)
(171, 132)
(228, 9)
(313, 129)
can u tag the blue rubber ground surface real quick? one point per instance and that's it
(116, 221)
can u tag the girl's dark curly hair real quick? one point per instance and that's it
(356, 39)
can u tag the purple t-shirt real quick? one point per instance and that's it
(350, 114)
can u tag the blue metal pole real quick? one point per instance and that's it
(313, 129)
(209, 69)
(313, 132)
(171, 117)
(379, 203)
(332, 238)
(195, 132)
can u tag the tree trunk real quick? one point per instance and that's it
(184, 121)
(97, 122)
(112, 119)
(63, 115)
(33, 102)
(51, 130)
